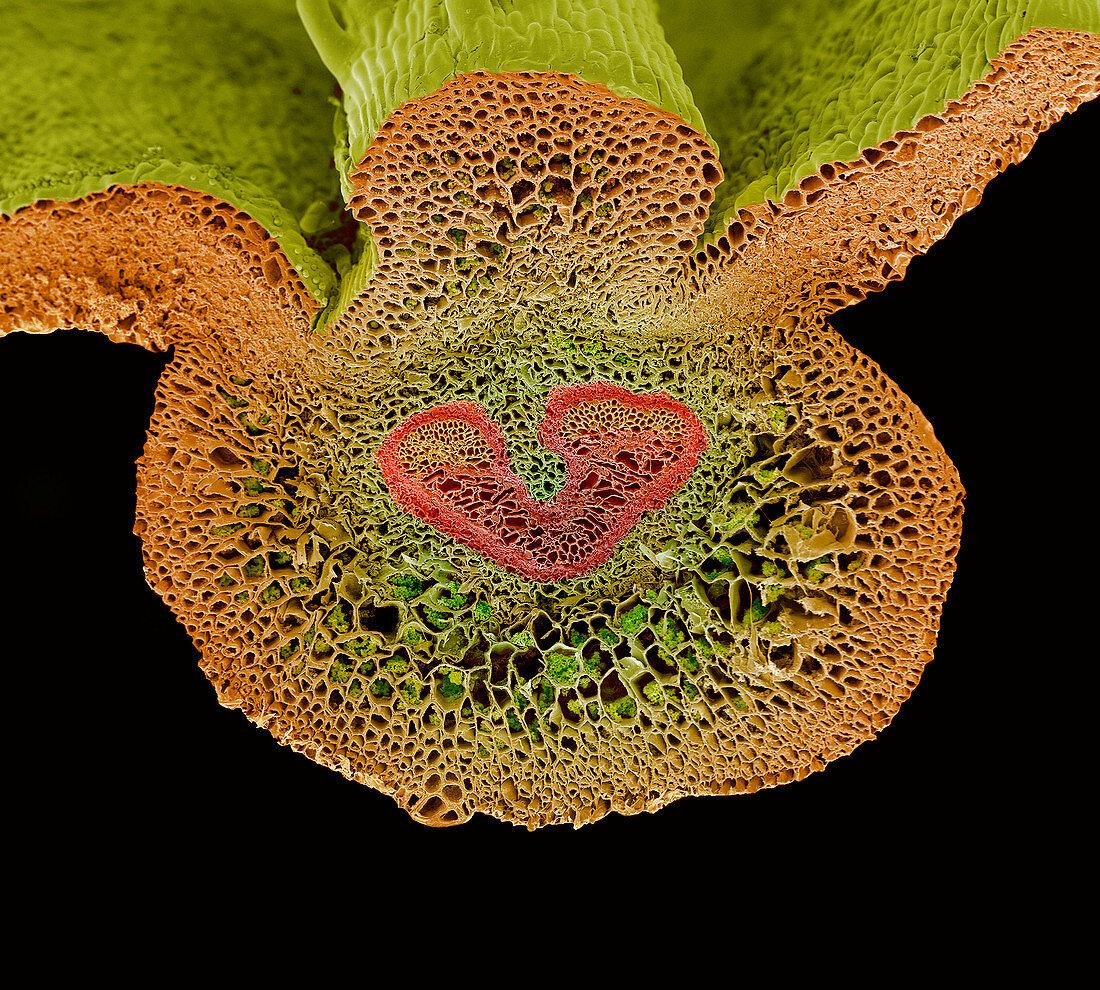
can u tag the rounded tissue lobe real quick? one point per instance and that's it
(625, 454)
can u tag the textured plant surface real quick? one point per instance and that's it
(533, 483)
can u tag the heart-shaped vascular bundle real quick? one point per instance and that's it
(533, 482)
(624, 455)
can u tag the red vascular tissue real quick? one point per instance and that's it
(625, 454)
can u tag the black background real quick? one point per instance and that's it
(119, 755)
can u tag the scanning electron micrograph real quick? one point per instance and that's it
(505, 461)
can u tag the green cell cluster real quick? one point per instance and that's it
(661, 635)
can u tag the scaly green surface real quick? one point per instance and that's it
(786, 85)
(224, 97)
(384, 52)
(231, 98)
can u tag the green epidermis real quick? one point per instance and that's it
(233, 99)
(786, 85)
(384, 53)
(225, 98)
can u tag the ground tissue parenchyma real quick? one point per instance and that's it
(734, 627)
